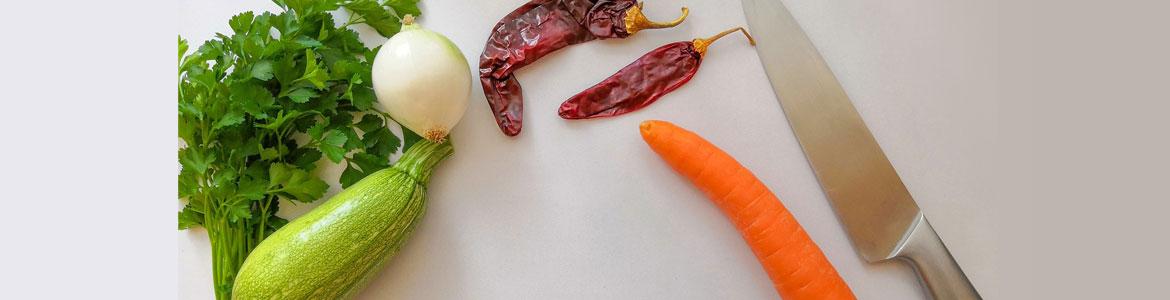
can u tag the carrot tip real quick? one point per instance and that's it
(645, 128)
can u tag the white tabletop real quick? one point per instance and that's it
(584, 210)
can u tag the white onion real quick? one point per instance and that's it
(422, 80)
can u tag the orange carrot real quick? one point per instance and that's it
(792, 260)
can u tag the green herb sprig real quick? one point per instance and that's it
(258, 109)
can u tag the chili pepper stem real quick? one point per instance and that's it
(701, 44)
(636, 21)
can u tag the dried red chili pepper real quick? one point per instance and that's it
(541, 27)
(643, 81)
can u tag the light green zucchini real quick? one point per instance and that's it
(334, 250)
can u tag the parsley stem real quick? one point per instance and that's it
(263, 218)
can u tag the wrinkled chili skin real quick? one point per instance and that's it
(532, 31)
(637, 85)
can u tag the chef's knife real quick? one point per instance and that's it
(881, 218)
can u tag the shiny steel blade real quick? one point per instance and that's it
(866, 193)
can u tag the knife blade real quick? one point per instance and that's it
(881, 218)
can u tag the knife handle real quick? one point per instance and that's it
(936, 267)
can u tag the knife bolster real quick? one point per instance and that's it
(937, 269)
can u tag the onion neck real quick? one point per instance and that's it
(408, 23)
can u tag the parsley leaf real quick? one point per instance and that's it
(362, 97)
(252, 98)
(262, 70)
(350, 176)
(370, 163)
(316, 131)
(297, 184)
(189, 218)
(195, 159)
(302, 95)
(370, 123)
(306, 158)
(307, 42)
(252, 188)
(188, 183)
(313, 73)
(229, 119)
(182, 50)
(241, 23)
(381, 142)
(331, 145)
(409, 138)
(238, 210)
(404, 7)
(376, 16)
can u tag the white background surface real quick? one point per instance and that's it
(585, 210)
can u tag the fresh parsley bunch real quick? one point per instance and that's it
(258, 108)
